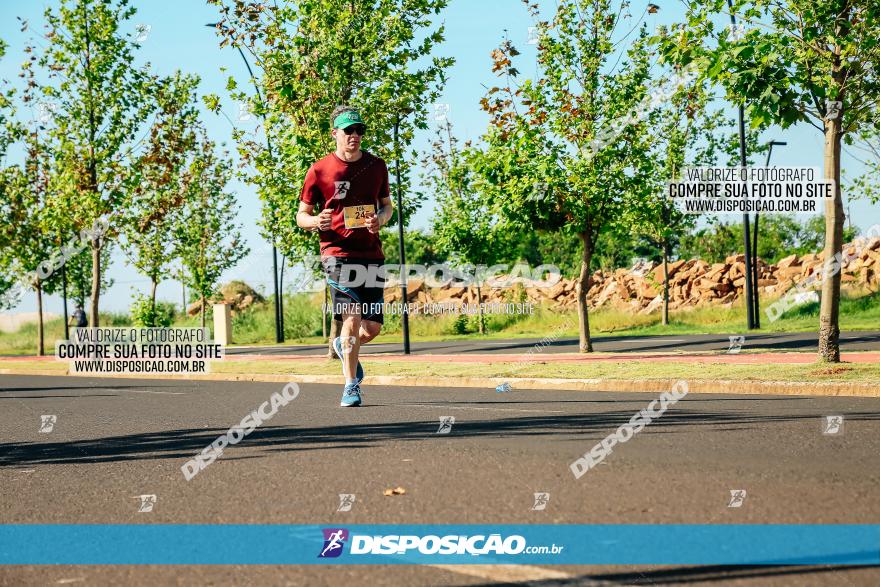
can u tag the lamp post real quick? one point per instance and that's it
(750, 306)
(279, 304)
(405, 312)
(755, 244)
(64, 297)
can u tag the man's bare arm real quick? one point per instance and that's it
(304, 216)
(381, 217)
(386, 209)
(306, 219)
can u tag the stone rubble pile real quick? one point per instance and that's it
(691, 283)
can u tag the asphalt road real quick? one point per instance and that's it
(116, 439)
(685, 343)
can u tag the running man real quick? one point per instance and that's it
(351, 188)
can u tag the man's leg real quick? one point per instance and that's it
(346, 314)
(369, 330)
(351, 344)
(373, 308)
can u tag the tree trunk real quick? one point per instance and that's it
(482, 328)
(153, 285)
(583, 285)
(665, 284)
(202, 311)
(281, 297)
(92, 166)
(829, 328)
(41, 350)
(96, 285)
(324, 312)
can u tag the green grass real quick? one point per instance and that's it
(302, 323)
(24, 340)
(615, 370)
(858, 311)
(626, 369)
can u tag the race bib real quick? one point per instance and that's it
(356, 216)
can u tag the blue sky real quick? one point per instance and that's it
(178, 39)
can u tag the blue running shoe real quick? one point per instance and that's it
(337, 346)
(351, 396)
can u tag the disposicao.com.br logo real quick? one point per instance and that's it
(451, 544)
(334, 541)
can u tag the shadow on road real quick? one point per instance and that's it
(682, 575)
(184, 443)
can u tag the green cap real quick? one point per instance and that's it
(347, 118)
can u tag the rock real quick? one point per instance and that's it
(240, 296)
(691, 282)
(788, 262)
(556, 291)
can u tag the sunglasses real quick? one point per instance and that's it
(360, 129)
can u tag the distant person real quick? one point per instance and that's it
(78, 318)
(351, 188)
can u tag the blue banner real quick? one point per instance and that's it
(619, 544)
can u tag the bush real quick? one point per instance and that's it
(145, 315)
(461, 325)
(256, 323)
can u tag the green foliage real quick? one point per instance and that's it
(79, 274)
(25, 211)
(101, 101)
(866, 186)
(162, 175)
(466, 225)
(27, 249)
(778, 237)
(563, 150)
(795, 55)
(421, 247)
(460, 325)
(302, 319)
(799, 61)
(614, 248)
(146, 314)
(207, 239)
(316, 54)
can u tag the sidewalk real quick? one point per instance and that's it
(865, 357)
(743, 373)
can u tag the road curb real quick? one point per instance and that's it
(719, 386)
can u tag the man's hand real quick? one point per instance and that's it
(324, 219)
(373, 223)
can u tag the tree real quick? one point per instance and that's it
(685, 132)
(465, 223)
(78, 271)
(564, 150)
(9, 286)
(206, 238)
(803, 61)
(24, 209)
(100, 101)
(316, 54)
(161, 181)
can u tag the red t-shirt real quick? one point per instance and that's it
(336, 184)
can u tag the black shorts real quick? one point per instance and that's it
(357, 286)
